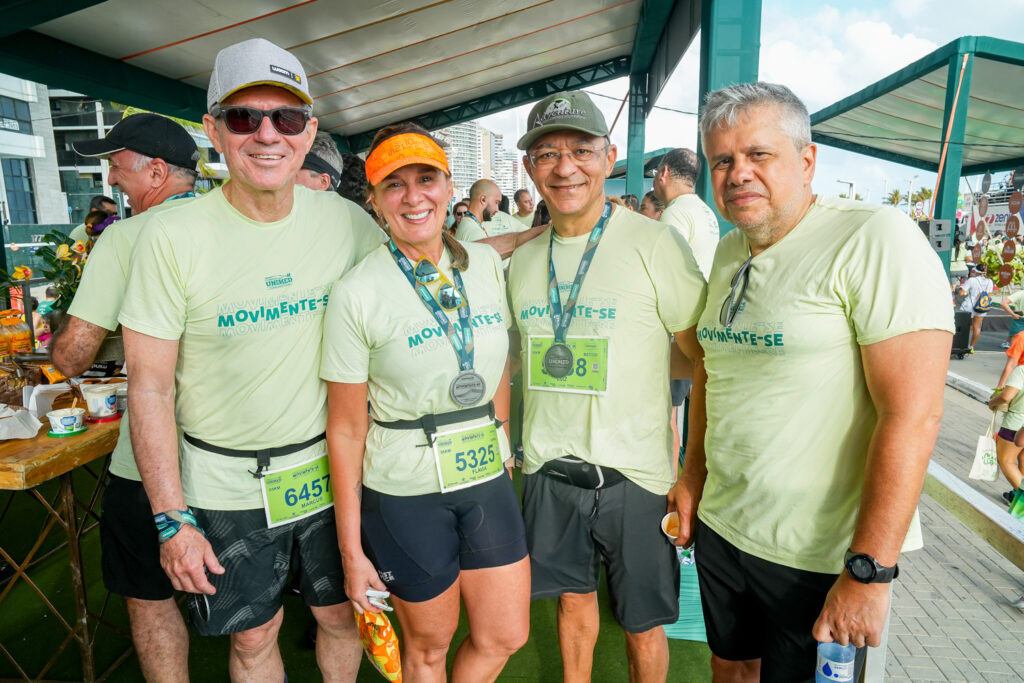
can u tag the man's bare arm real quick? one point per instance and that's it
(155, 442)
(510, 241)
(906, 376)
(689, 487)
(74, 346)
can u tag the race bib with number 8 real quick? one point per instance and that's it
(589, 372)
(292, 493)
(468, 456)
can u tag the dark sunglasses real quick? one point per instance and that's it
(247, 120)
(737, 292)
(460, 213)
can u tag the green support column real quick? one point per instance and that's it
(959, 77)
(635, 141)
(730, 41)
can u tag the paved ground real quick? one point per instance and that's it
(951, 615)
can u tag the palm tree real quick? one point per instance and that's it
(894, 198)
(922, 195)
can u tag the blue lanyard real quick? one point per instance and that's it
(559, 320)
(462, 343)
(183, 195)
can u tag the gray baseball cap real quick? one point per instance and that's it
(255, 62)
(572, 110)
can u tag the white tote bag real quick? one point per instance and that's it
(985, 466)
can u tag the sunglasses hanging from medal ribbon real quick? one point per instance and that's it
(468, 387)
(558, 358)
(737, 294)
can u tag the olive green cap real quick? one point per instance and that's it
(573, 110)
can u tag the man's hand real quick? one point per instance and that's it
(854, 612)
(186, 558)
(684, 498)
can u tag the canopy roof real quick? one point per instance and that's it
(369, 62)
(652, 160)
(900, 118)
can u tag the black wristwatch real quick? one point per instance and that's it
(866, 569)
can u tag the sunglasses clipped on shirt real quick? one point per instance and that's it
(447, 296)
(737, 292)
(247, 120)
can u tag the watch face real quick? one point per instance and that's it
(862, 568)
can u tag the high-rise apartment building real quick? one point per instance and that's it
(30, 189)
(464, 155)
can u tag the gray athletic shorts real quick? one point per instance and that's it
(258, 562)
(572, 531)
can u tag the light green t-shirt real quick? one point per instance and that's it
(789, 413)
(1014, 418)
(79, 233)
(642, 285)
(470, 230)
(698, 225)
(1016, 301)
(501, 224)
(378, 331)
(246, 301)
(98, 301)
(526, 220)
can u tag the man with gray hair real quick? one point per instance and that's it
(321, 169)
(152, 161)
(826, 335)
(227, 350)
(684, 211)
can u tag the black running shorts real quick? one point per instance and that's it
(573, 531)
(130, 549)
(419, 544)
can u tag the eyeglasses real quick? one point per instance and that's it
(737, 291)
(447, 296)
(247, 120)
(460, 213)
(581, 156)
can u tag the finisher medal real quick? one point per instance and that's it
(468, 388)
(558, 360)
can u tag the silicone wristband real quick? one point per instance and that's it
(168, 524)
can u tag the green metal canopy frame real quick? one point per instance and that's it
(902, 118)
(957, 111)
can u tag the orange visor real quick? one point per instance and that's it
(403, 150)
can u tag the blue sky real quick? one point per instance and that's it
(823, 52)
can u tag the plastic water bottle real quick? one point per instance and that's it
(835, 663)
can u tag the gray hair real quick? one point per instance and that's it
(324, 147)
(723, 107)
(186, 175)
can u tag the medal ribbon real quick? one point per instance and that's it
(461, 339)
(560, 320)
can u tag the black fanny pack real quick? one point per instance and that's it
(573, 471)
(429, 423)
(262, 455)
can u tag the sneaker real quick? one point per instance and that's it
(1018, 603)
(1005, 345)
(970, 349)
(1008, 496)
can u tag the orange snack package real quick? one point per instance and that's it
(381, 644)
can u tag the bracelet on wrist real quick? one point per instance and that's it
(168, 523)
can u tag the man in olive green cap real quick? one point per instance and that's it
(595, 298)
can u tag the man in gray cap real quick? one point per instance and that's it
(595, 325)
(223, 326)
(153, 162)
